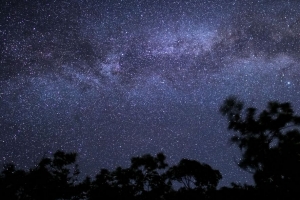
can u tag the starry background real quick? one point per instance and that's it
(114, 79)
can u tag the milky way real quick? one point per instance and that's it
(116, 79)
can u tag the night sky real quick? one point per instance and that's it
(115, 79)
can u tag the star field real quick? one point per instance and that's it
(116, 79)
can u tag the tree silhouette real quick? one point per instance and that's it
(196, 179)
(269, 142)
(49, 179)
(144, 179)
(194, 175)
(150, 174)
(149, 177)
(52, 178)
(11, 182)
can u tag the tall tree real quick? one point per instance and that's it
(270, 143)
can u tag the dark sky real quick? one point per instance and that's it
(116, 79)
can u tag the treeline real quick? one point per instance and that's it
(148, 177)
(270, 146)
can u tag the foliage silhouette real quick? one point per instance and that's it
(149, 177)
(49, 179)
(270, 144)
(197, 180)
(194, 175)
(11, 182)
(142, 180)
